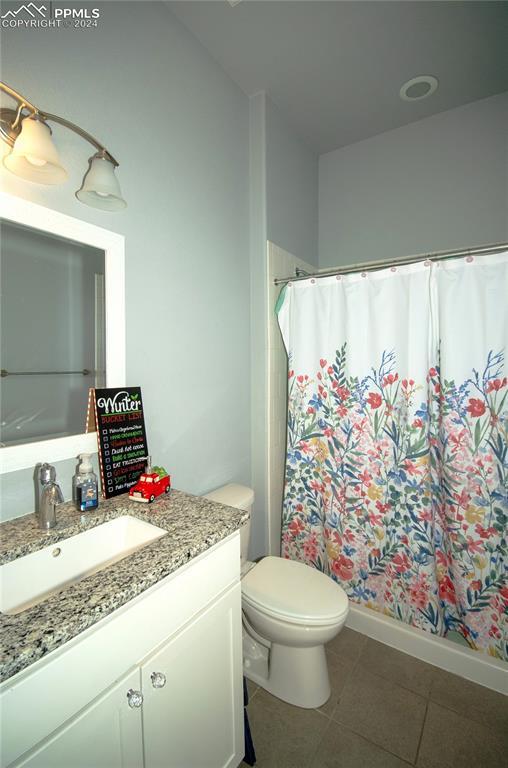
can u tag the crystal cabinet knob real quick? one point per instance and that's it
(158, 679)
(134, 698)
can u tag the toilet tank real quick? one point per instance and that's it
(240, 497)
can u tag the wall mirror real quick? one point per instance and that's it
(62, 312)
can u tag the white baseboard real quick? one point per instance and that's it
(473, 665)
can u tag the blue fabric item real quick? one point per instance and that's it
(250, 754)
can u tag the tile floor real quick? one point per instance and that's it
(387, 710)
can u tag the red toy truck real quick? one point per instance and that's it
(150, 485)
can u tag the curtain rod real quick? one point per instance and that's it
(401, 260)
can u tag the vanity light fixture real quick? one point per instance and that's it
(100, 187)
(34, 157)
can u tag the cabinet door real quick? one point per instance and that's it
(107, 734)
(195, 719)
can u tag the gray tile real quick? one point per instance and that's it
(471, 700)
(339, 672)
(394, 665)
(348, 644)
(384, 713)
(452, 741)
(341, 748)
(284, 736)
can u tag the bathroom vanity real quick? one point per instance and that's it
(137, 664)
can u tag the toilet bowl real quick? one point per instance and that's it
(290, 611)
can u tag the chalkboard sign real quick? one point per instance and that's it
(117, 416)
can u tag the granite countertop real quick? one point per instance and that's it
(194, 524)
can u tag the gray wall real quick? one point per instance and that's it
(283, 209)
(291, 189)
(435, 184)
(179, 128)
(258, 235)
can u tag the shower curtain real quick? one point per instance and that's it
(397, 450)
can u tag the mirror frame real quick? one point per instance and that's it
(34, 216)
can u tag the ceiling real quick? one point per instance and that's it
(335, 68)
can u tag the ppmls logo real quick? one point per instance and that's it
(34, 15)
(31, 10)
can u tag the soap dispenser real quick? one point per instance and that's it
(85, 493)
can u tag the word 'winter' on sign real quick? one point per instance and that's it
(121, 402)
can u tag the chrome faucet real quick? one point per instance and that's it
(48, 497)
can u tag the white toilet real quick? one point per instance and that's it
(290, 611)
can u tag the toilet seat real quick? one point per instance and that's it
(299, 621)
(294, 592)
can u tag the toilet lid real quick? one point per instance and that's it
(295, 590)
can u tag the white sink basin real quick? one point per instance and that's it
(29, 580)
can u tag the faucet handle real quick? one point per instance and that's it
(47, 473)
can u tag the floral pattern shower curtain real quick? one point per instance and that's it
(397, 458)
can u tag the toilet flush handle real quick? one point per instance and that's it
(158, 679)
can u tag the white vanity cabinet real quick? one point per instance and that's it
(106, 733)
(190, 719)
(178, 646)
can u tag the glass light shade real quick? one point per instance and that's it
(100, 187)
(34, 156)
